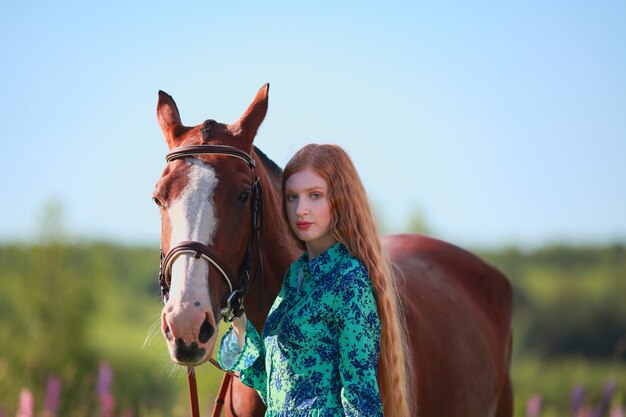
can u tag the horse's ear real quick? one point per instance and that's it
(249, 123)
(169, 118)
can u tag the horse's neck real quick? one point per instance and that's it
(278, 249)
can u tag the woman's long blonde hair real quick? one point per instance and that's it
(353, 224)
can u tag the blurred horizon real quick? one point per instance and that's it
(51, 226)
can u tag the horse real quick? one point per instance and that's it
(223, 238)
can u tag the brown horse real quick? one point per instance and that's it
(458, 308)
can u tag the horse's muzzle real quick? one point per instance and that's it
(188, 354)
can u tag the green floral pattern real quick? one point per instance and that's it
(318, 355)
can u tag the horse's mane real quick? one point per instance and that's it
(270, 165)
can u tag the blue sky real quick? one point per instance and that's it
(501, 122)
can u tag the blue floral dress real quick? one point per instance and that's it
(318, 355)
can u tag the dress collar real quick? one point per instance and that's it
(325, 261)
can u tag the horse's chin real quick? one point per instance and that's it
(188, 364)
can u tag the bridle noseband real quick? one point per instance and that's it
(232, 307)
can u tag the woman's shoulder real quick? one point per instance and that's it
(352, 271)
(353, 291)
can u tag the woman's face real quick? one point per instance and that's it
(308, 210)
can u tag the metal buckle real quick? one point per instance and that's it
(233, 308)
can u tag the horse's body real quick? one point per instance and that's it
(458, 308)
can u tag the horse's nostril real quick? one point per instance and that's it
(206, 331)
(168, 334)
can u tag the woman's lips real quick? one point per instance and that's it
(303, 225)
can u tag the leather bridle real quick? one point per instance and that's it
(231, 307)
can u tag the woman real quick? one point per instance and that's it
(333, 343)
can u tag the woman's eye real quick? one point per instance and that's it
(291, 197)
(315, 196)
(243, 197)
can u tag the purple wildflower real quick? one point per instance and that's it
(26, 407)
(577, 399)
(607, 395)
(617, 411)
(53, 393)
(105, 379)
(103, 389)
(533, 407)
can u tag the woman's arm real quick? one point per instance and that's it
(239, 325)
(242, 350)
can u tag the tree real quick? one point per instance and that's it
(417, 222)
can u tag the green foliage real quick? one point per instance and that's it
(45, 305)
(417, 223)
(555, 380)
(67, 307)
(568, 300)
(54, 297)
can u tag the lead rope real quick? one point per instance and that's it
(221, 397)
(193, 391)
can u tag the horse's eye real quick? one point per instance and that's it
(157, 202)
(243, 197)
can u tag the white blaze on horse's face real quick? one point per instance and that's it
(192, 217)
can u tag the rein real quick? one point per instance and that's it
(232, 306)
